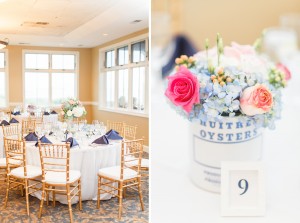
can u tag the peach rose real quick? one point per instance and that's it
(183, 89)
(256, 100)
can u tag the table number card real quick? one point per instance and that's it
(242, 189)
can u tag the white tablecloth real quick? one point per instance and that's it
(88, 160)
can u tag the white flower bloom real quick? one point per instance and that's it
(69, 113)
(78, 111)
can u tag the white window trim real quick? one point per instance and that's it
(103, 70)
(76, 53)
(6, 65)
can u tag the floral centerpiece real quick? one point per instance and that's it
(228, 94)
(228, 81)
(72, 108)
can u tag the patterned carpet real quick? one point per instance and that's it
(108, 213)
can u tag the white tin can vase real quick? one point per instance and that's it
(233, 139)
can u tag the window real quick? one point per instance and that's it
(3, 80)
(110, 58)
(50, 77)
(138, 52)
(123, 55)
(123, 84)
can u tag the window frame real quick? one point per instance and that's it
(6, 74)
(102, 77)
(50, 70)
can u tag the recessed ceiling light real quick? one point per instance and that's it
(136, 21)
(105, 34)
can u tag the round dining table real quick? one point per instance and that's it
(88, 159)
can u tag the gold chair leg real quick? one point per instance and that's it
(7, 190)
(53, 196)
(42, 200)
(69, 203)
(22, 190)
(124, 191)
(79, 194)
(140, 193)
(27, 196)
(120, 199)
(47, 196)
(98, 193)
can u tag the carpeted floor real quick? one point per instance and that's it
(108, 213)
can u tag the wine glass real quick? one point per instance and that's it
(38, 130)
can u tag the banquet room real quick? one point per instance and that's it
(74, 111)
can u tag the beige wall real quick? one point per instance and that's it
(235, 20)
(141, 122)
(88, 82)
(16, 81)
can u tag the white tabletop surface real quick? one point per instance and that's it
(173, 196)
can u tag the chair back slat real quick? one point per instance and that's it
(55, 158)
(131, 152)
(28, 125)
(15, 150)
(118, 126)
(12, 131)
(129, 132)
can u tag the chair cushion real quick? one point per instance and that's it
(115, 172)
(60, 177)
(32, 172)
(13, 161)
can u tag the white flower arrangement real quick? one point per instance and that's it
(72, 108)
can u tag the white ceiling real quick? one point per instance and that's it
(72, 23)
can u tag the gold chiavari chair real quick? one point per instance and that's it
(125, 175)
(55, 162)
(15, 151)
(118, 126)
(129, 132)
(28, 126)
(12, 131)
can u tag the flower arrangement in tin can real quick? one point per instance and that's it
(230, 81)
(72, 108)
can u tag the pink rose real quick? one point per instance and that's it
(183, 89)
(236, 50)
(256, 100)
(72, 102)
(284, 70)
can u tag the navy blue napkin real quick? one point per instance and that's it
(111, 131)
(31, 137)
(72, 142)
(13, 120)
(101, 140)
(16, 113)
(114, 135)
(183, 46)
(44, 140)
(46, 113)
(54, 112)
(4, 122)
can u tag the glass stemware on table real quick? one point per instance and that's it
(84, 133)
